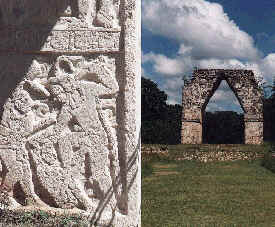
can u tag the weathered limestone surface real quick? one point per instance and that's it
(70, 107)
(197, 93)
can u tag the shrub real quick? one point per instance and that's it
(269, 159)
(146, 169)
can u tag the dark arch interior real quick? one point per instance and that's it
(222, 127)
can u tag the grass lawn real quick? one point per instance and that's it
(189, 193)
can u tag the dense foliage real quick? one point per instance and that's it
(161, 122)
(269, 161)
(269, 117)
(153, 101)
(224, 127)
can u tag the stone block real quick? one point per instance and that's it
(192, 115)
(253, 132)
(191, 133)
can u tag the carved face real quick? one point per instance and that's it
(24, 102)
(58, 92)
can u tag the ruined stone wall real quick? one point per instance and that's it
(70, 107)
(197, 93)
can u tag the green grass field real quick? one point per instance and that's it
(190, 193)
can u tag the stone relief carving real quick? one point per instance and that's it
(66, 81)
(58, 137)
(106, 15)
(66, 13)
(22, 116)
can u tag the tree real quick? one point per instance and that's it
(160, 122)
(223, 127)
(269, 116)
(153, 100)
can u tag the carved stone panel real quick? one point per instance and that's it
(67, 41)
(69, 107)
(60, 26)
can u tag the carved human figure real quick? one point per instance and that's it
(21, 118)
(38, 79)
(105, 16)
(101, 13)
(85, 135)
(83, 107)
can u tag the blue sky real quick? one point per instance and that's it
(178, 35)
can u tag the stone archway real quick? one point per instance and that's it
(197, 93)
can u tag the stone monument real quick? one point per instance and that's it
(197, 93)
(70, 107)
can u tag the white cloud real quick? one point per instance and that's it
(223, 99)
(214, 107)
(184, 50)
(201, 26)
(267, 66)
(182, 65)
(221, 95)
(173, 88)
(144, 57)
(224, 94)
(219, 63)
(163, 64)
(171, 101)
(143, 74)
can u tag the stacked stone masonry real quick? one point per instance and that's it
(69, 107)
(198, 91)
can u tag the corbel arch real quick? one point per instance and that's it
(197, 93)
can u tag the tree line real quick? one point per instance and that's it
(161, 122)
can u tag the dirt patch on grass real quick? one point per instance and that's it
(164, 166)
(164, 169)
(165, 173)
(229, 166)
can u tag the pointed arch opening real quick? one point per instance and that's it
(222, 116)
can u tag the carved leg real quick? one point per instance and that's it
(116, 180)
(28, 187)
(78, 191)
(24, 177)
(65, 151)
(26, 182)
(102, 182)
(104, 16)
